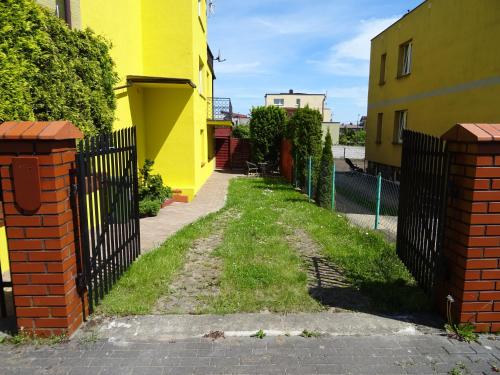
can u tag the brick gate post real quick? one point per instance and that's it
(472, 233)
(35, 163)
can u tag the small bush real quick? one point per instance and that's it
(241, 131)
(324, 189)
(267, 127)
(151, 185)
(149, 208)
(152, 191)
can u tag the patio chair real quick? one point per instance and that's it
(252, 169)
(352, 166)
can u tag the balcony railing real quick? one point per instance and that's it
(220, 109)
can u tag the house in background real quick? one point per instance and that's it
(430, 70)
(166, 80)
(292, 100)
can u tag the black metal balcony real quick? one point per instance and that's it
(219, 109)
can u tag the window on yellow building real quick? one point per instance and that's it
(200, 78)
(199, 8)
(405, 59)
(382, 68)
(400, 123)
(380, 118)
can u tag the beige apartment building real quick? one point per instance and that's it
(291, 100)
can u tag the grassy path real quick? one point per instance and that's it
(262, 267)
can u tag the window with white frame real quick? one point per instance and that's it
(298, 103)
(279, 102)
(400, 123)
(405, 58)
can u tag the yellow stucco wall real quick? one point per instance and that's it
(161, 39)
(4, 257)
(455, 76)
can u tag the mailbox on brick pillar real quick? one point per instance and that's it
(472, 233)
(36, 159)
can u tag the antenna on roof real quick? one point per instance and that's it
(211, 7)
(219, 58)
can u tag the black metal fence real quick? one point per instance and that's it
(109, 209)
(220, 109)
(424, 174)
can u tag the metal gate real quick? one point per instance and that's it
(422, 203)
(108, 204)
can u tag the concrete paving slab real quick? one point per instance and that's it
(174, 327)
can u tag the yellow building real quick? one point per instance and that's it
(430, 70)
(166, 72)
(166, 90)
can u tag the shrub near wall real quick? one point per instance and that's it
(267, 127)
(304, 130)
(50, 72)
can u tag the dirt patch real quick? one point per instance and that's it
(325, 281)
(198, 281)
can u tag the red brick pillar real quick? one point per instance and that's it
(39, 223)
(472, 234)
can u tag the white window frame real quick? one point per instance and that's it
(402, 122)
(279, 102)
(407, 59)
(199, 8)
(298, 101)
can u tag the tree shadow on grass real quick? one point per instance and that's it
(396, 300)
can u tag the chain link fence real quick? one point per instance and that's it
(368, 201)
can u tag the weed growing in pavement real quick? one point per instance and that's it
(309, 334)
(24, 337)
(463, 332)
(260, 334)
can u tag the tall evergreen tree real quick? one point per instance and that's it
(324, 187)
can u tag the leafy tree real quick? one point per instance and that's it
(324, 188)
(353, 138)
(241, 131)
(304, 129)
(267, 126)
(50, 72)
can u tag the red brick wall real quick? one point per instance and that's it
(42, 243)
(472, 235)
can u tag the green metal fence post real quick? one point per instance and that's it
(309, 178)
(333, 186)
(379, 193)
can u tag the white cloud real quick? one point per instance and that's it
(352, 57)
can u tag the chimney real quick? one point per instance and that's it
(290, 91)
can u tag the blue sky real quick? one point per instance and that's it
(320, 46)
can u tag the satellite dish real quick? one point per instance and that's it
(219, 58)
(211, 7)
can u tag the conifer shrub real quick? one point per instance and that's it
(267, 126)
(324, 188)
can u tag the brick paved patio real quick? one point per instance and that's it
(427, 354)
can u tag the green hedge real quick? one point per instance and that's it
(267, 127)
(50, 72)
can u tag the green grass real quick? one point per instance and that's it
(147, 279)
(261, 271)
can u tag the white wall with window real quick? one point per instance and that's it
(279, 102)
